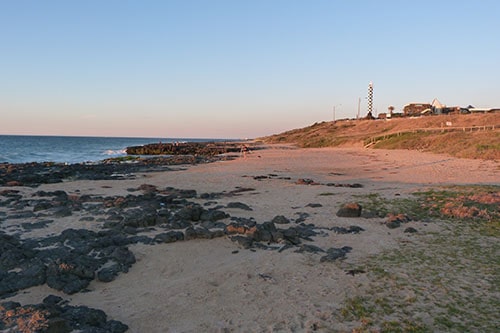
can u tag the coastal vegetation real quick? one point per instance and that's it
(444, 280)
(459, 135)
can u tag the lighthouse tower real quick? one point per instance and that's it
(370, 102)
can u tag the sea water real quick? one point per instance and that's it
(71, 149)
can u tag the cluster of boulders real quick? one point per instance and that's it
(186, 148)
(36, 173)
(69, 261)
(55, 315)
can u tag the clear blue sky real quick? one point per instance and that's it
(235, 69)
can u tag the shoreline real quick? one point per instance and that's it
(258, 225)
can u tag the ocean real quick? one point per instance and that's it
(71, 149)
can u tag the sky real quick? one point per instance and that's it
(236, 68)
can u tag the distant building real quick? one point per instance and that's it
(484, 110)
(439, 108)
(416, 109)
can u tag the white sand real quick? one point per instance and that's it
(202, 286)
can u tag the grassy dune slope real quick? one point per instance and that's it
(406, 133)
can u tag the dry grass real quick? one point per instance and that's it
(484, 144)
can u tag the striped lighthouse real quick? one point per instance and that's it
(370, 101)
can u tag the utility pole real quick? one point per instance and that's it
(359, 107)
(334, 107)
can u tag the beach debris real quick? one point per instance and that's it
(351, 209)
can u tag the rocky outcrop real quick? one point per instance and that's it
(186, 148)
(34, 174)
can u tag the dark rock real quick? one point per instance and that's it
(351, 209)
(148, 188)
(314, 205)
(140, 218)
(302, 217)
(179, 224)
(395, 220)
(291, 235)
(114, 326)
(410, 230)
(306, 231)
(9, 305)
(355, 185)
(351, 230)
(58, 325)
(108, 274)
(393, 224)
(36, 225)
(71, 274)
(280, 219)
(335, 254)
(213, 215)
(21, 215)
(169, 237)
(306, 181)
(42, 205)
(52, 300)
(189, 213)
(354, 272)
(198, 232)
(32, 274)
(85, 316)
(217, 233)
(309, 248)
(265, 232)
(123, 256)
(238, 205)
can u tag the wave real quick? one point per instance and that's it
(112, 152)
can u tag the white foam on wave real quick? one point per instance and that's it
(115, 152)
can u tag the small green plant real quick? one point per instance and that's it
(356, 308)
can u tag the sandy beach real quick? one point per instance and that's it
(217, 285)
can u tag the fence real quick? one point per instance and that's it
(373, 140)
